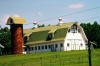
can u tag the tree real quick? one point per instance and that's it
(43, 25)
(92, 32)
(5, 39)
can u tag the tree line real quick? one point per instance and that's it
(5, 40)
(92, 32)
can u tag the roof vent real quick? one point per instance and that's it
(35, 24)
(60, 21)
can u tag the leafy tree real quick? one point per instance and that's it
(5, 39)
(92, 32)
(43, 25)
(49, 25)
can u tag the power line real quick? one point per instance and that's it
(73, 13)
(70, 14)
(81, 11)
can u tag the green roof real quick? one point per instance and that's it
(16, 20)
(40, 35)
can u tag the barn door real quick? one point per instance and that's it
(75, 44)
(72, 45)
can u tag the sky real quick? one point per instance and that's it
(48, 11)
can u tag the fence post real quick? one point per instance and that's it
(89, 52)
(41, 60)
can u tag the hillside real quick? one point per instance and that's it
(69, 58)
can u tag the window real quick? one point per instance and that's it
(61, 45)
(35, 47)
(69, 30)
(45, 46)
(25, 49)
(50, 36)
(67, 44)
(11, 21)
(38, 47)
(56, 45)
(81, 44)
(74, 28)
(49, 46)
(42, 47)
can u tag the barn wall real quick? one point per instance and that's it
(75, 41)
(53, 49)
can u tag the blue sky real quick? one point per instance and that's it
(48, 11)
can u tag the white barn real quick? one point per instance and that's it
(62, 37)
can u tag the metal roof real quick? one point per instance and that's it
(16, 20)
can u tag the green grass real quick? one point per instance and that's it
(70, 58)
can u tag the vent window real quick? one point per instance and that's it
(61, 45)
(67, 44)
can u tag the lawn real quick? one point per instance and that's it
(69, 58)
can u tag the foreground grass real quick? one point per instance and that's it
(70, 58)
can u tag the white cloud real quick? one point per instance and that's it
(4, 18)
(75, 6)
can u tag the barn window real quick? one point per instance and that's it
(25, 49)
(49, 46)
(38, 47)
(69, 30)
(56, 45)
(45, 46)
(61, 45)
(67, 44)
(81, 44)
(42, 47)
(74, 29)
(11, 21)
(35, 47)
(50, 36)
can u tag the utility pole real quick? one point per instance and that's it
(89, 52)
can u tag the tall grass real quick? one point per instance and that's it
(68, 58)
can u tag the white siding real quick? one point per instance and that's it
(75, 41)
(51, 49)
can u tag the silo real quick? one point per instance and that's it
(16, 29)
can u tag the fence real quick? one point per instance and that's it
(69, 58)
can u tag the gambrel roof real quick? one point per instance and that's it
(40, 35)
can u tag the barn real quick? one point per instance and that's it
(60, 37)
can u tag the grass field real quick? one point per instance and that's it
(69, 58)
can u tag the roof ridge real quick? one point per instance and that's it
(51, 28)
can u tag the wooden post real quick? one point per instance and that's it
(89, 52)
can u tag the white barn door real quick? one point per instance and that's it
(75, 44)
